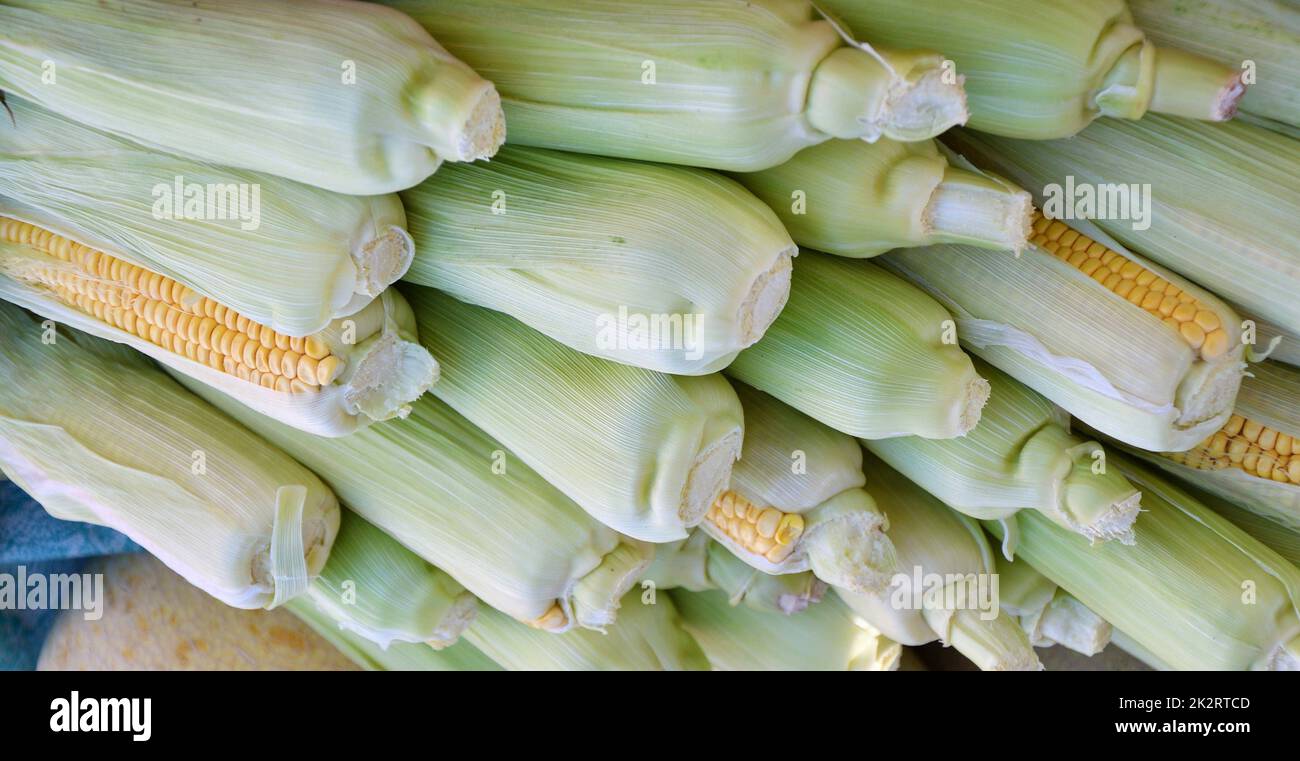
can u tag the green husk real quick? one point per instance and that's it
(398, 656)
(957, 600)
(711, 83)
(1049, 615)
(699, 564)
(96, 433)
(858, 199)
(864, 352)
(380, 590)
(644, 453)
(454, 496)
(1196, 591)
(827, 636)
(1047, 69)
(1020, 458)
(647, 637)
(346, 96)
(1218, 193)
(1264, 32)
(667, 268)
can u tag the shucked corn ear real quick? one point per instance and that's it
(1021, 456)
(826, 637)
(1264, 32)
(796, 501)
(380, 590)
(1041, 69)
(866, 353)
(281, 253)
(399, 656)
(96, 433)
(647, 637)
(1195, 591)
(710, 83)
(643, 452)
(699, 564)
(341, 95)
(359, 369)
(1048, 614)
(1222, 205)
(456, 498)
(946, 585)
(1253, 461)
(859, 199)
(667, 268)
(1128, 347)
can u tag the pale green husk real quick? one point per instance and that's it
(286, 255)
(1277, 536)
(1046, 69)
(643, 452)
(943, 550)
(667, 268)
(1048, 614)
(1109, 363)
(374, 586)
(399, 656)
(345, 95)
(712, 83)
(794, 464)
(1265, 32)
(1195, 591)
(647, 637)
(96, 433)
(827, 636)
(699, 564)
(858, 199)
(1223, 198)
(1021, 457)
(460, 500)
(864, 352)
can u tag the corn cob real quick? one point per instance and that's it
(866, 353)
(380, 590)
(642, 452)
(1021, 456)
(699, 564)
(1049, 615)
(286, 255)
(647, 637)
(945, 588)
(1053, 67)
(1253, 461)
(341, 95)
(456, 498)
(796, 501)
(399, 656)
(1264, 32)
(858, 199)
(229, 512)
(710, 83)
(1132, 349)
(599, 254)
(1196, 592)
(826, 637)
(1218, 193)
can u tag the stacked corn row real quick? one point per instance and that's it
(567, 456)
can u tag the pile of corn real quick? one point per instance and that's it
(638, 402)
